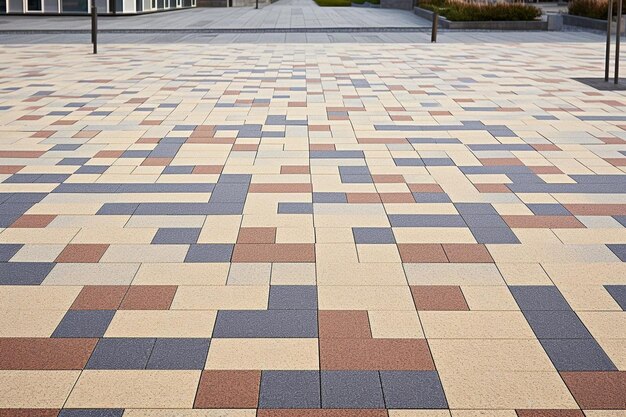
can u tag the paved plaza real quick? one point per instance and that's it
(312, 230)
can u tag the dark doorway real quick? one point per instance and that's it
(74, 6)
(3, 6)
(34, 5)
(139, 5)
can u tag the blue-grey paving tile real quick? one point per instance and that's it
(7, 220)
(180, 209)
(121, 353)
(548, 210)
(173, 140)
(434, 140)
(369, 235)
(8, 250)
(235, 178)
(168, 105)
(65, 147)
(604, 118)
(117, 209)
(184, 127)
(356, 179)
(351, 389)
(84, 323)
(330, 198)
(475, 208)
(295, 208)
(618, 292)
(412, 389)
(293, 297)
(91, 412)
(100, 113)
(290, 389)
(179, 353)
(484, 220)
(354, 170)
(619, 250)
(545, 117)
(21, 179)
(165, 150)
(531, 178)
(26, 197)
(426, 220)
(15, 208)
(176, 235)
(229, 193)
(176, 169)
(621, 220)
(165, 188)
(24, 273)
(51, 178)
(539, 297)
(556, 324)
(577, 355)
(92, 169)
(500, 169)
(265, 323)
(619, 188)
(438, 162)
(336, 154)
(431, 198)
(135, 154)
(501, 147)
(75, 188)
(408, 162)
(208, 252)
(599, 179)
(73, 161)
(494, 235)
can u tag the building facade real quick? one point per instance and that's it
(112, 7)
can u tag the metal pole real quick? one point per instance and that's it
(256, 4)
(94, 26)
(618, 35)
(607, 57)
(433, 33)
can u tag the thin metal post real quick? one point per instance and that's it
(256, 4)
(607, 57)
(618, 35)
(433, 33)
(94, 26)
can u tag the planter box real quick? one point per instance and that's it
(397, 4)
(589, 23)
(365, 5)
(488, 25)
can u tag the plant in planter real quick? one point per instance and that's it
(594, 9)
(334, 3)
(465, 11)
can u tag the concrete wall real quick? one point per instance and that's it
(397, 4)
(51, 6)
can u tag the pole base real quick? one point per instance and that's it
(601, 85)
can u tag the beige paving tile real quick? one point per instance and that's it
(269, 354)
(453, 274)
(134, 389)
(91, 274)
(293, 274)
(395, 324)
(249, 274)
(161, 323)
(475, 325)
(30, 297)
(35, 389)
(365, 298)
(29, 323)
(494, 298)
(181, 274)
(231, 297)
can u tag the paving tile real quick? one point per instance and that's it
(148, 297)
(556, 324)
(99, 297)
(538, 298)
(438, 298)
(97, 412)
(290, 389)
(293, 297)
(266, 324)
(597, 390)
(45, 353)
(577, 355)
(618, 292)
(467, 253)
(351, 389)
(176, 235)
(121, 353)
(370, 235)
(209, 253)
(343, 324)
(412, 389)
(179, 353)
(82, 253)
(84, 323)
(228, 389)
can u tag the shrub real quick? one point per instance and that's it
(458, 10)
(334, 3)
(373, 1)
(595, 9)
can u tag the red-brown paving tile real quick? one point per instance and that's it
(148, 297)
(276, 252)
(388, 179)
(108, 154)
(99, 297)
(21, 154)
(490, 162)
(467, 253)
(546, 170)
(596, 209)
(492, 188)
(43, 134)
(45, 353)
(375, 354)
(281, 188)
(397, 198)
(257, 235)
(86, 134)
(245, 147)
(401, 118)
(207, 169)
(319, 128)
(438, 298)
(422, 252)
(322, 147)
(616, 162)
(597, 390)
(82, 253)
(156, 162)
(10, 169)
(360, 198)
(440, 113)
(542, 222)
(425, 188)
(344, 324)
(148, 140)
(33, 221)
(294, 169)
(550, 413)
(29, 412)
(228, 389)
(317, 412)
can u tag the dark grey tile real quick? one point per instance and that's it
(539, 297)
(336, 154)
(431, 198)
(229, 193)
(265, 323)
(235, 178)
(293, 297)
(412, 389)
(295, 208)
(75, 188)
(84, 323)
(354, 170)
(65, 147)
(8, 250)
(372, 235)
(92, 169)
(577, 355)
(26, 197)
(618, 292)
(619, 250)
(165, 188)
(475, 208)
(548, 210)
(351, 389)
(494, 235)
(484, 220)
(426, 220)
(408, 162)
(209, 253)
(176, 235)
(73, 161)
(135, 154)
(330, 198)
(178, 169)
(356, 179)
(290, 389)
(117, 209)
(556, 324)
(438, 162)
(121, 353)
(24, 273)
(178, 353)
(181, 209)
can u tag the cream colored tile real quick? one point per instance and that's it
(182, 274)
(293, 274)
(523, 274)
(395, 324)
(249, 274)
(29, 323)
(492, 298)
(265, 354)
(161, 323)
(230, 297)
(91, 274)
(35, 389)
(41, 297)
(129, 412)
(453, 274)
(365, 298)
(475, 325)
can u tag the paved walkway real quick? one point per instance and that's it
(282, 14)
(355, 230)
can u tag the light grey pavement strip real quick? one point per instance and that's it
(284, 14)
(270, 38)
